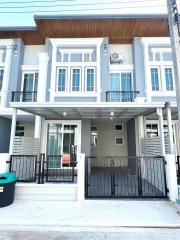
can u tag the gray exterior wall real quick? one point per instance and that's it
(139, 75)
(106, 138)
(131, 136)
(104, 65)
(86, 137)
(15, 70)
(5, 130)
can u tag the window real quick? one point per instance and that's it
(19, 131)
(90, 79)
(94, 137)
(152, 130)
(155, 79)
(76, 78)
(119, 141)
(169, 79)
(61, 80)
(1, 78)
(119, 127)
(30, 85)
(121, 87)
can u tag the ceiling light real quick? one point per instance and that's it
(112, 113)
(64, 114)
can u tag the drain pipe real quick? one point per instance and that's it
(160, 116)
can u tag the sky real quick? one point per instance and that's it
(21, 12)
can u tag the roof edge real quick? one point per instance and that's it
(17, 28)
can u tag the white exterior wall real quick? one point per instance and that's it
(28, 129)
(125, 50)
(31, 54)
(106, 138)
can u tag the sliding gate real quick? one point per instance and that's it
(125, 177)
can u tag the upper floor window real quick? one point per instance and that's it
(62, 78)
(1, 78)
(30, 84)
(76, 55)
(160, 54)
(169, 79)
(155, 79)
(2, 55)
(90, 74)
(75, 78)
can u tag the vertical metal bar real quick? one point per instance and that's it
(43, 162)
(165, 182)
(139, 162)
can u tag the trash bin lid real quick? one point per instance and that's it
(7, 177)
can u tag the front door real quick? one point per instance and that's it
(62, 138)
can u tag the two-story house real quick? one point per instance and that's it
(98, 85)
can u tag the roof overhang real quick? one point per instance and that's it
(118, 28)
(88, 110)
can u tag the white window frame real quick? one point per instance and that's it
(119, 143)
(80, 81)
(29, 72)
(174, 86)
(159, 79)
(66, 79)
(85, 84)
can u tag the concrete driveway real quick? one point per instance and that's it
(90, 213)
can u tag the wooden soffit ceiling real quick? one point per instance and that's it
(117, 30)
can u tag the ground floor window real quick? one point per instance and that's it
(19, 131)
(94, 137)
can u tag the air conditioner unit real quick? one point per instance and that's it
(116, 57)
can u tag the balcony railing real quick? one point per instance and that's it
(24, 97)
(121, 96)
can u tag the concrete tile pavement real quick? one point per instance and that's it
(90, 214)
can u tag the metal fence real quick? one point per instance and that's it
(24, 97)
(26, 167)
(178, 169)
(125, 177)
(121, 96)
(41, 168)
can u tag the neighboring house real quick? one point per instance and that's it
(99, 85)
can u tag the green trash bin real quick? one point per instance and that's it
(7, 188)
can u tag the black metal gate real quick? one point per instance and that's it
(125, 177)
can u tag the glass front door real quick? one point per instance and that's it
(61, 141)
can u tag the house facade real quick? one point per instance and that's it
(99, 88)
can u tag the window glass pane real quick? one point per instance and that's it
(154, 79)
(59, 56)
(86, 57)
(19, 131)
(28, 82)
(1, 77)
(126, 84)
(76, 80)
(114, 87)
(119, 127)
(61, 80)
(76, 57)
(152, 130)
(169, 79)
(65, 57)
(93, 56)
(167, 56)
(157, 56)
(90, 80)
(119, 141)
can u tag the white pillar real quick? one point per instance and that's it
(161, 128)
(42, 81)
(37, 130)
(170, 131)
(171, 176)
(5, 84)
(147, 74)
(13, 131)
(81, 177)
(98, 73)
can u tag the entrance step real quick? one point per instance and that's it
(51, 192)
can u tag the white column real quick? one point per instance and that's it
(170, 131)
(37, 130)
(161, 128)
(13, 131)
(147, 74)
(98, 74)
(171, 177)
(81, 177)
(6, 77)
(42, 81)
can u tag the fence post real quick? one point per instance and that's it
(81, 177)
(171, 176)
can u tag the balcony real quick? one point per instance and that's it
(24, 97)
(121, 96)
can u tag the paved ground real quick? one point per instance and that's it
(94, 213)
(135, 234)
